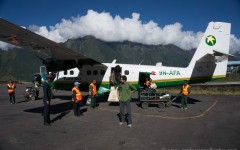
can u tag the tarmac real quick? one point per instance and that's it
(210, 122)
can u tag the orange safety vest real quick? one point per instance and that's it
(78, 94)
(185, 89)
(94, 89)
(11, 87)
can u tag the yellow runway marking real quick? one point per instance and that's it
(175, 118)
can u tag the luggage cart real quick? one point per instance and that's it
(147, 97)
(30, 94)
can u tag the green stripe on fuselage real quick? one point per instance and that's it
(159, 83)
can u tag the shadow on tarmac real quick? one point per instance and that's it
(62, 109)
(54, 109)
(23, 101)
(178, 101)
(60, 116)
(62, 97)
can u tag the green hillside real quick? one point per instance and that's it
(18, 64)
(129, 52)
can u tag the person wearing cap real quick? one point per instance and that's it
(11, 91)
(92, 93)
(46, 101)
(76, 99)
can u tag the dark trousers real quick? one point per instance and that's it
(93, 101)
(127, 105)
(46, 112)
(12, 97)
(184, 101)
(76, 108)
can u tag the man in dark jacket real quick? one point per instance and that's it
(46, 101)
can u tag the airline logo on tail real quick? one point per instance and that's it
(210, 40)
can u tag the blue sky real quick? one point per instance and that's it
(192, 15)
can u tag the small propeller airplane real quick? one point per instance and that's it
(208, 63)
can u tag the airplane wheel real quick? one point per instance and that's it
(144, 105)
(161, 105)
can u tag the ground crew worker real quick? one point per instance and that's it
(185, 90)
(76, 99)
(46, 100)
(92, 93)
(124, 96)
(11, 91)
(147, 83)
(36, 87)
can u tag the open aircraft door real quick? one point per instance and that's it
(114, 82)
(142, 78)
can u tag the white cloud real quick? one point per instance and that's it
(105, 27)
(234, 44)
(108, 28)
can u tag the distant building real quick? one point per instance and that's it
(233, 66)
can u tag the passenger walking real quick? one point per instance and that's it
(92, 93)
(76, 99)
(124, 96)
(185, 91)
(11, 91)
(46, 101)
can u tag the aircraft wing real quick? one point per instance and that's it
(63, 58)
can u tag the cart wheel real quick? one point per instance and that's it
(161, 105)
(168, 104)
(33, 98)
(144, 105)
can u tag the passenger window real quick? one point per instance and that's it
(65, 72)
(126, 72)
(102, 72)
(71, 72)
(95, 72)
(89, 72)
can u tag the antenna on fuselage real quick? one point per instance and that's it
(114, 61)
(141, 62)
